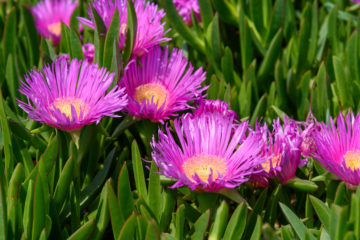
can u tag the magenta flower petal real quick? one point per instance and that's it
(150, 30)
(281, 151)
(49, 14)
(338, 147)
(308, 146)
(159, 87)
(70, 95)
(212, 106)
(89, 51)
(209, 152)
(184, 8)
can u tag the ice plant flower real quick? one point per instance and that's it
(209, 152)
(159, 87)
(308, 147)
(184, 8)
(70, 95)
(281, 150)
(214, 106)
(49, 14)
(338, 147)
(356, 1)
(150, 30)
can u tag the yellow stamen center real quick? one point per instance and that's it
(154, 92)
(267, 166)
(55, 28)
(64, 105)
(352, 160)
(202, 165)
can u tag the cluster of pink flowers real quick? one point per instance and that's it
(208, 149)
(155, 87)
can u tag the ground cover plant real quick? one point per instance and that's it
(174, 119)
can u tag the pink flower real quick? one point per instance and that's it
(70, 95)
(308, 147)
(150, 30)
(49, 14)
(338, 147)
(159, 87)
(281, 151)
(208, 152)
(212, 106)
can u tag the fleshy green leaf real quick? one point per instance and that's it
(338, 217)
(126, 200)
(7, 140)
(220, 222)
(256, 235)
(112, 36)
(178, 24)
(237, 222)
(295, 222)
(322, 211)
(200, 226)
(3, 210)
(39, 212)
(28, 212)
(342, 83)
(138, 170)
(63, 185)
(84, 232)
(128, 230)
(131, 31)
(117, 219)
(302, 185)
(98, 180)
(74, 44)
(9, 36)
(100, 32)
(14, 208)
(179, 222)
(154, 197)
(206, 12)
(259, 205)
(227, 12)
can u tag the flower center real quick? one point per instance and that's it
(267, 166)
(55, 28)
(152, 92)
(352, 160)
(64, 105)
(202, 165)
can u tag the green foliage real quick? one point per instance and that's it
(265, 58)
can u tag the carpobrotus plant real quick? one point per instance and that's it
(70, 95)
(49, 14)
(214, 106)
(338, 147)
(150, 31)
(281, 150)
(160, 86)
(213, 152)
